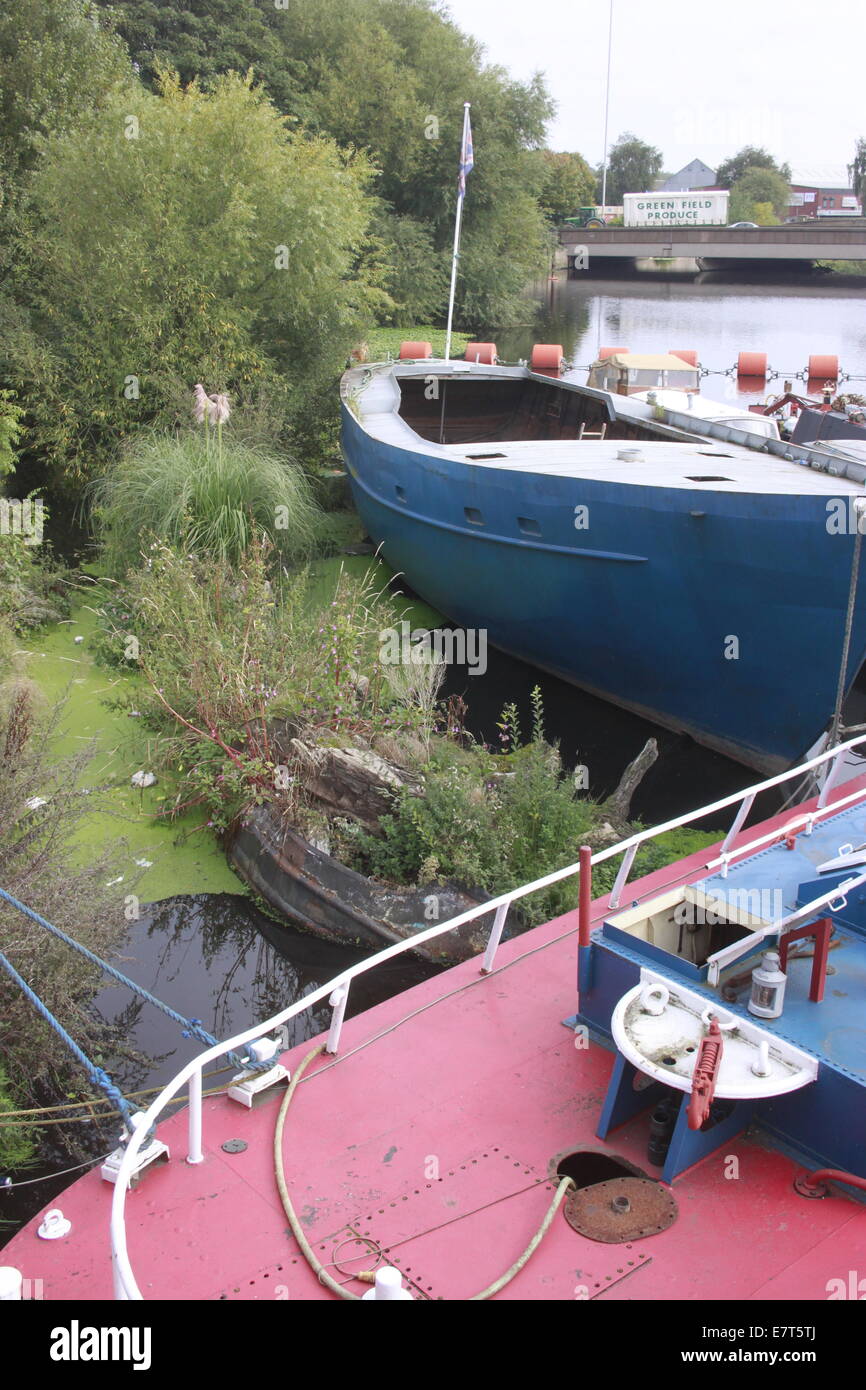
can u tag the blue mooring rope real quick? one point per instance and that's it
(190, 1027)
(100, 1078)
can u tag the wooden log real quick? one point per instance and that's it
(618, 804)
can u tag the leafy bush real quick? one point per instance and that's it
(10, 432)
(655, 854)
(33, 588)
(489, 823)
(17, 1142)
(492, 823)
(179, 237)
(382, 341)
(228, 654)
(208, 496)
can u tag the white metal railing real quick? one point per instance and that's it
(337, 990)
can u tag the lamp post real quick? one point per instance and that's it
(606, 109)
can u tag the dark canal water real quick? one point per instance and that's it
(215, 957)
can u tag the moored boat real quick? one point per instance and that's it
(310, 887)
(702, 581)
(668, 1143)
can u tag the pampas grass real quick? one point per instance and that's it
(183, 490)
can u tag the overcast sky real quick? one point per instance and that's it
(696, 79)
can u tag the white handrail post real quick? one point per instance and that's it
(622, 876)
(338, 1004)
(494, 938)
(835, 768)
(745, 808)
(195, 1154)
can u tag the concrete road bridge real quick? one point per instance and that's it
(714, 248)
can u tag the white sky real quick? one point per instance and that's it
(697, 78)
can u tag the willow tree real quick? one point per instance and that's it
(183, 236)
(388, 77)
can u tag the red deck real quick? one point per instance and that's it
(431, 1134)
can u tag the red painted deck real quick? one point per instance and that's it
(431, 1134)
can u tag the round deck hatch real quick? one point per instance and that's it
(620, 1209)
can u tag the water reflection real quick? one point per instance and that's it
(215, 957)
(721, 313)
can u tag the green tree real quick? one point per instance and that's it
(633, 167)
(749, 157)
(56, 62)
(857, 170)
(567, 183)
(388, 77)
(391, 77)
(759, 187)
(182, 237)
(206, 38)
(415, 272)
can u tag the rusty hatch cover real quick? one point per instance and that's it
(620, 1209)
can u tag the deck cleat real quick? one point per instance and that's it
(152, 1151)
(250, 1083)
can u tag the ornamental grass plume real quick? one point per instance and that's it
(211, 410)
(221, 409)
(203, 405)
(179, 489)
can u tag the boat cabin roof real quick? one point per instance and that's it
(646, 362)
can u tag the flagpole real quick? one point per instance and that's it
(457, 220)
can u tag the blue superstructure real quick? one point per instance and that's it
(823, 1122)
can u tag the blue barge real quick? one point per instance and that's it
(699, 582)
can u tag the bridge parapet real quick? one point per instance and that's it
(787, 242)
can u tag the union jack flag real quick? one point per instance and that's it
(467, 160)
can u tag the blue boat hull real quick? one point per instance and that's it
(716, 614)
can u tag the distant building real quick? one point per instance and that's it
(694, 175)
(824, 192)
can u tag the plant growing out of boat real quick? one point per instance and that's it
(240, 660)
